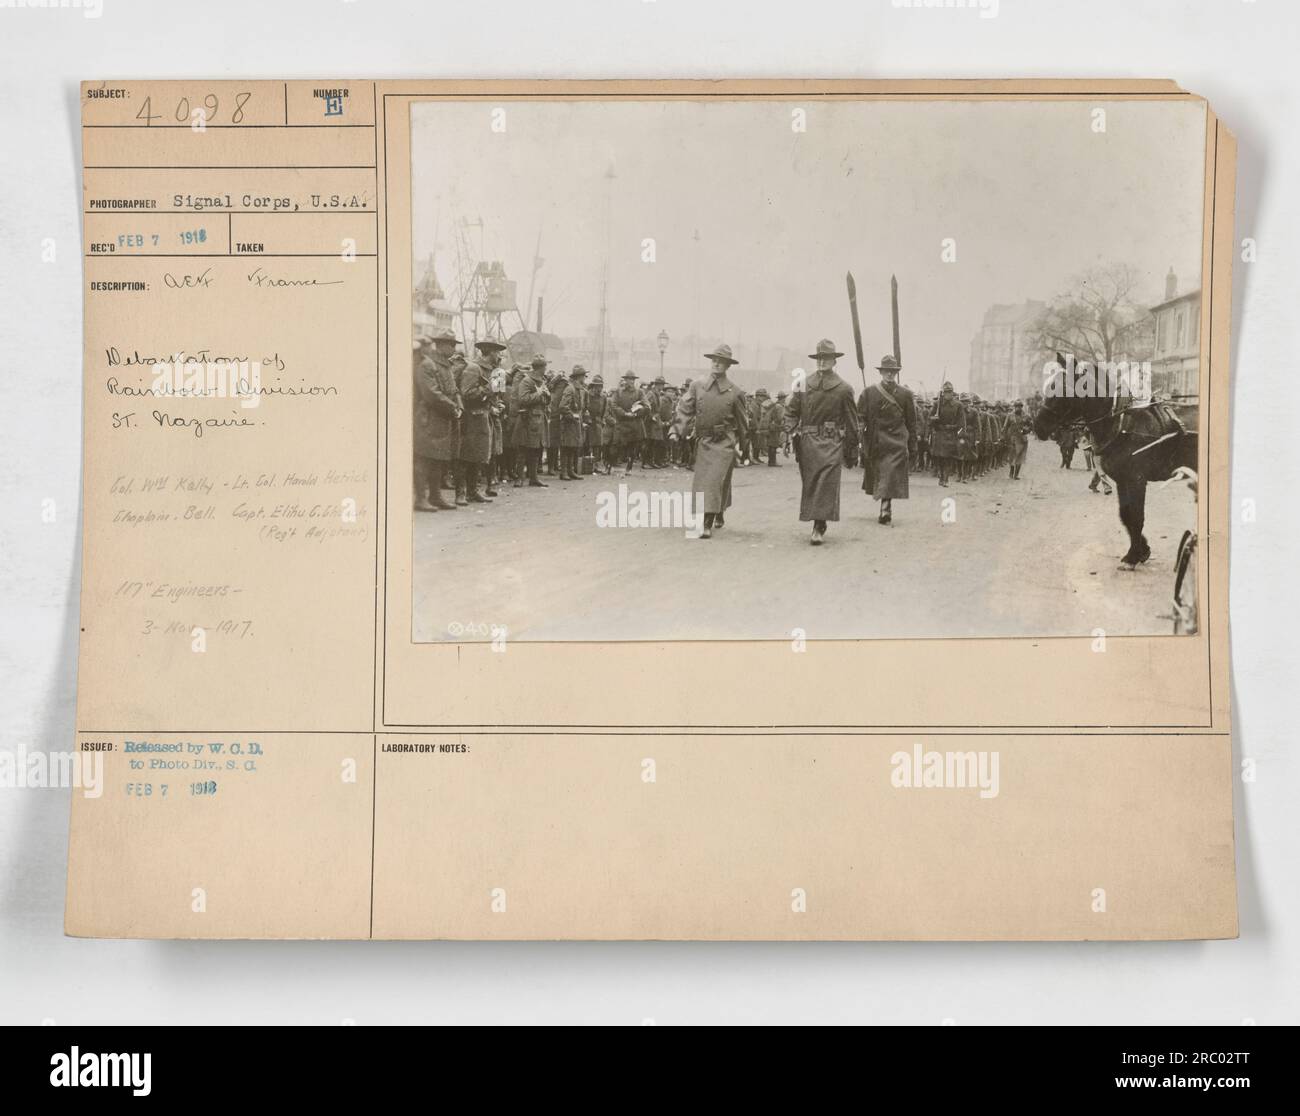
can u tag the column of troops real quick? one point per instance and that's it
(959, 436)
(478, 425)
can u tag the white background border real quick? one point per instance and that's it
(1239, 53)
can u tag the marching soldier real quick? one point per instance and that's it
(945, 421)
(1067, 438)
(888, 415)
(437, 410)
(476, 422)
(1018, 431)
(968, 438)
(821, 418)
(716, 409)
(922, 412)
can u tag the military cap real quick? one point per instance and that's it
(578, 371)
(540, 361)
(444, 335)
(722, 352)
(781, 395)
(489, 346)
(629, 375)
(825, 348)
(888, 364)
(597, 379)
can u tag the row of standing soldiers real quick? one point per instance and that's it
(477, 423)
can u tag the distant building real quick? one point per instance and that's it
(1006, 361)
(1176, 359)
(525, 344)
(429, 306)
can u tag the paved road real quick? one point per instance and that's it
(1034, 557)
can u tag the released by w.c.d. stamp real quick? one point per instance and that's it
(663, 509)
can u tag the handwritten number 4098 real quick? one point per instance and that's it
(211, 104)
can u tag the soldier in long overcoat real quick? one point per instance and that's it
(532, 401)
(573, 412)
(779, 435)
(497, 418)
(557, 383)
(822, 421)
(600, 430)
(475, 384)
(921, 455)
(667, 413)
(654, 430)
(1019, 427)
(888, 416)
(945, 423)
(629, 408)
(715, 410)
(436, 407)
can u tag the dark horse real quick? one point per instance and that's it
(1134, 444)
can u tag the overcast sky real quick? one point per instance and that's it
(1030, 193)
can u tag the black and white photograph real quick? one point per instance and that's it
(728, 371)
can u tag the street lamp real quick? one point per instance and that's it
(663, 348)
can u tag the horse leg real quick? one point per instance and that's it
(1140, 517)
(1125, 490)
(1132, 513)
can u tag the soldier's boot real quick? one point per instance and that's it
(886, 511)
(423, 474)
(472, 494)
(534, 464)
(566, 463)
(707, 533)
(461, 470)
(818, 532)
(436, 498)
(490, 484)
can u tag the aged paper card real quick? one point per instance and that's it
(717, 510)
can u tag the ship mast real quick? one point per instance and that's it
(603, 325)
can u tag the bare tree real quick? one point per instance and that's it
(1087, 318)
